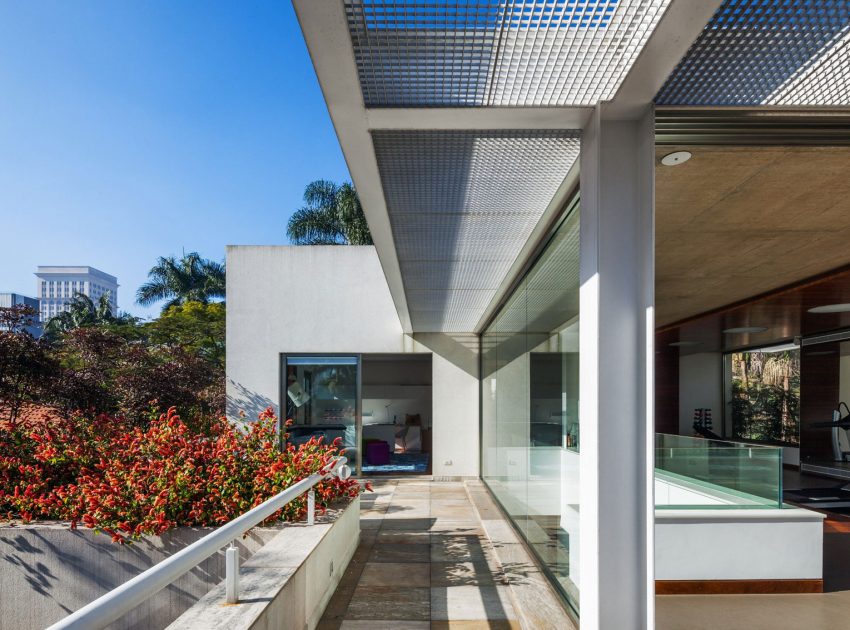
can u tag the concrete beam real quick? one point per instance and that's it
(678, 28)
(424, 118)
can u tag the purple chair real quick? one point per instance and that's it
(377, 453)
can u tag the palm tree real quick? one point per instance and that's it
(84, 312)
(189, 279)
(332, 215)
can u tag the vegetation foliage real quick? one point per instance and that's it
(332, 215)
(178, 281)
(766, 396)
(116, 367)
(127, 480)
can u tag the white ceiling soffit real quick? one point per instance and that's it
(767, 52)
(445, 53)
(462, 204)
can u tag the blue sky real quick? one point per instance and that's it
(132, 130)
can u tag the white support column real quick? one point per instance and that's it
(616, 360)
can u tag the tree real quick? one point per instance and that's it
(189, 279)
(25, 363)
(196, 327)
(84, 312)
(332, 215)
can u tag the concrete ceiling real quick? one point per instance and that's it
(735, 222)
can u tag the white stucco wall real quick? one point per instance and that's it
(333, 299)
(700, 386)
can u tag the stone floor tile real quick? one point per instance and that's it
(411, 524)
(464, 574)
(400, 552)
(453, 512)
(390, 604)
(370, 523)
(377, 624)
(404, 537)
(493, 624)
(459, 548)
(449, 501)
(448, 523)
(413, 574)
(470, 603)
(408, 509)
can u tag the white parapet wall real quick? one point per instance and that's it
(50, 570)
(708, 533)
(738, 544)
(288, 583)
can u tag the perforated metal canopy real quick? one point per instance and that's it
(461, 205)
(767, 52)
(496, 52)
(459, 119)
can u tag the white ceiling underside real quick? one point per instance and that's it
(461, 205)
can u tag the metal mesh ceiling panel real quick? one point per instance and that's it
(767, 52)
(418, 53)
(461, 205)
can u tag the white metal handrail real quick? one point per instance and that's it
(109, 607)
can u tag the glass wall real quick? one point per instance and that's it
(762, 391)
(322, 398)
(530, 426)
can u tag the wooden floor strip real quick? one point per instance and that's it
(736, 587)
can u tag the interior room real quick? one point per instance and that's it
(753, 303)
(397, 420)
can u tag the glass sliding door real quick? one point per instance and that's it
(322, 398)
(530, 385)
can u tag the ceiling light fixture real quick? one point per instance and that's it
(831, 308)
(742, 330)
(676, 158)
(682, 344)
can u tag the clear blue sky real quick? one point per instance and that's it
(132, 130)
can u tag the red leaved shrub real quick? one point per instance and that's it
(117, 477)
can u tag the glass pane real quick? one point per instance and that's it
(763, 394)
(530, 423)
(321, 399)
(698, 473)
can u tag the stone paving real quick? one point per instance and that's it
(423, 562)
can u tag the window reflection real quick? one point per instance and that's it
(530, 424)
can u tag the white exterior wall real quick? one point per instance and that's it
(335, 299)
(700, 386)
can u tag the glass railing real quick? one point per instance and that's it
(696, 473)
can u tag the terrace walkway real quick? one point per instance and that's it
(432, 555)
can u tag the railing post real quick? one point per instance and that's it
(311, 507)
(231, 575)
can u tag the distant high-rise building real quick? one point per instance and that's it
(8, 300)
(57, 286)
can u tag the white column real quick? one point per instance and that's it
(616, 361)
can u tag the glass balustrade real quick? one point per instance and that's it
(700, 473)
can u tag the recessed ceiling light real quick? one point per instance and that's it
(744, 330)
(677, 157)
(831, 308)
(680, 344)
